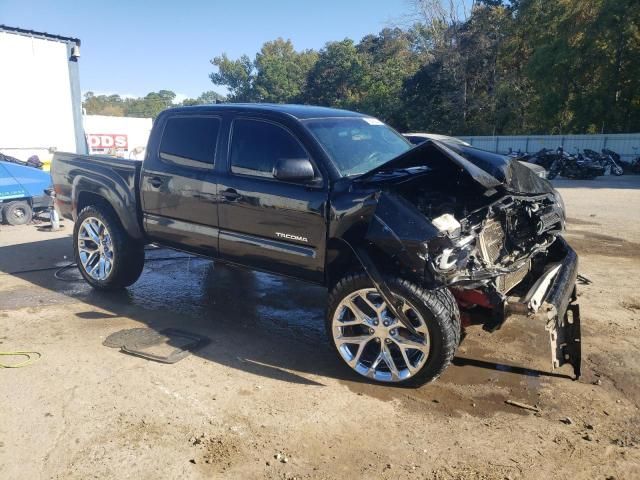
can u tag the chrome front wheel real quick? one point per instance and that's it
(95, 248)
(373, 342)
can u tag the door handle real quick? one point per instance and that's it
(155, 182)
(231, 195)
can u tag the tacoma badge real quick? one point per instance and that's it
(292, 237)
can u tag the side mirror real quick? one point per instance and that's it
(299, 170)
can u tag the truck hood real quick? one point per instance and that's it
(489, 170)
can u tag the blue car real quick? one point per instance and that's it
(22, 192)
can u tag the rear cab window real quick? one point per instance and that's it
(190, 141)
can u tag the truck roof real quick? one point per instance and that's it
(298, 111)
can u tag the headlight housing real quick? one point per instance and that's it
(560, 203)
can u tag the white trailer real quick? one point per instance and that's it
(40, 98)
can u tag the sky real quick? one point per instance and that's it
(135, 47)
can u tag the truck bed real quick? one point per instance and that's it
(76, 178)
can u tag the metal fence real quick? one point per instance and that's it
(626, 144)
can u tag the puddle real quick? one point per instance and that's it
(233, 295)
(489, 368)
(468, 386)
(197, 288)
(577, 221)
(590, 243)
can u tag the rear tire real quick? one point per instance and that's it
(434, 312)
(122, 256)
(18, 213)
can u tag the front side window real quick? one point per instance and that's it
(357, 144)
(256, 146)
(190, 141)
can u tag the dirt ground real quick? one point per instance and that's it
(267, 398)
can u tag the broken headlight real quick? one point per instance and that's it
(560, 203)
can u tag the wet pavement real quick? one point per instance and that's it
(280, 323)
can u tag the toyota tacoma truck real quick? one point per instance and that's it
(413, 243)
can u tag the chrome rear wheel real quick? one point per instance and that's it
(95, 248)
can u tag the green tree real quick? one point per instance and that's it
(148, 106)
(278, 74)
(236, 75)
(584, 64)
(501, 67)
(151, 105)
(112, 105)
(336, 77)
(208, 97)
(388, 59)
(281, 72)
(432, 101)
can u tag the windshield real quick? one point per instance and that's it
(357, 144)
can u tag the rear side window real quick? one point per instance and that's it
(257, 145)
(190, 141)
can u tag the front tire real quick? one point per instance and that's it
(106, 256)
(375, 345)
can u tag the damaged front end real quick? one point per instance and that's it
(486, 228)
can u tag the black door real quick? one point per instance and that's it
(178, 185)
(266, 223)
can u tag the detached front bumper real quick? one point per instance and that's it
(551, 299)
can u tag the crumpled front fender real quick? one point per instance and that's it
(399, 230)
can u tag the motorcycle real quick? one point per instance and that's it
(574, 166)
(610, 161)
(544, 158)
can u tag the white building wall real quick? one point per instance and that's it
(102, 130)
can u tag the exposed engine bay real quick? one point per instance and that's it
(481, 239)
(498, 240)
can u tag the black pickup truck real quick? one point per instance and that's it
(413, 243)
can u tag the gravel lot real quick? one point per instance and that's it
(268, 399)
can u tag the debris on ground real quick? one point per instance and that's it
(522, 405)
(281, 457)
(584, 280)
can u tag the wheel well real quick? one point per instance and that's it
(86, 199)
(341, 260)
(89, 198)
